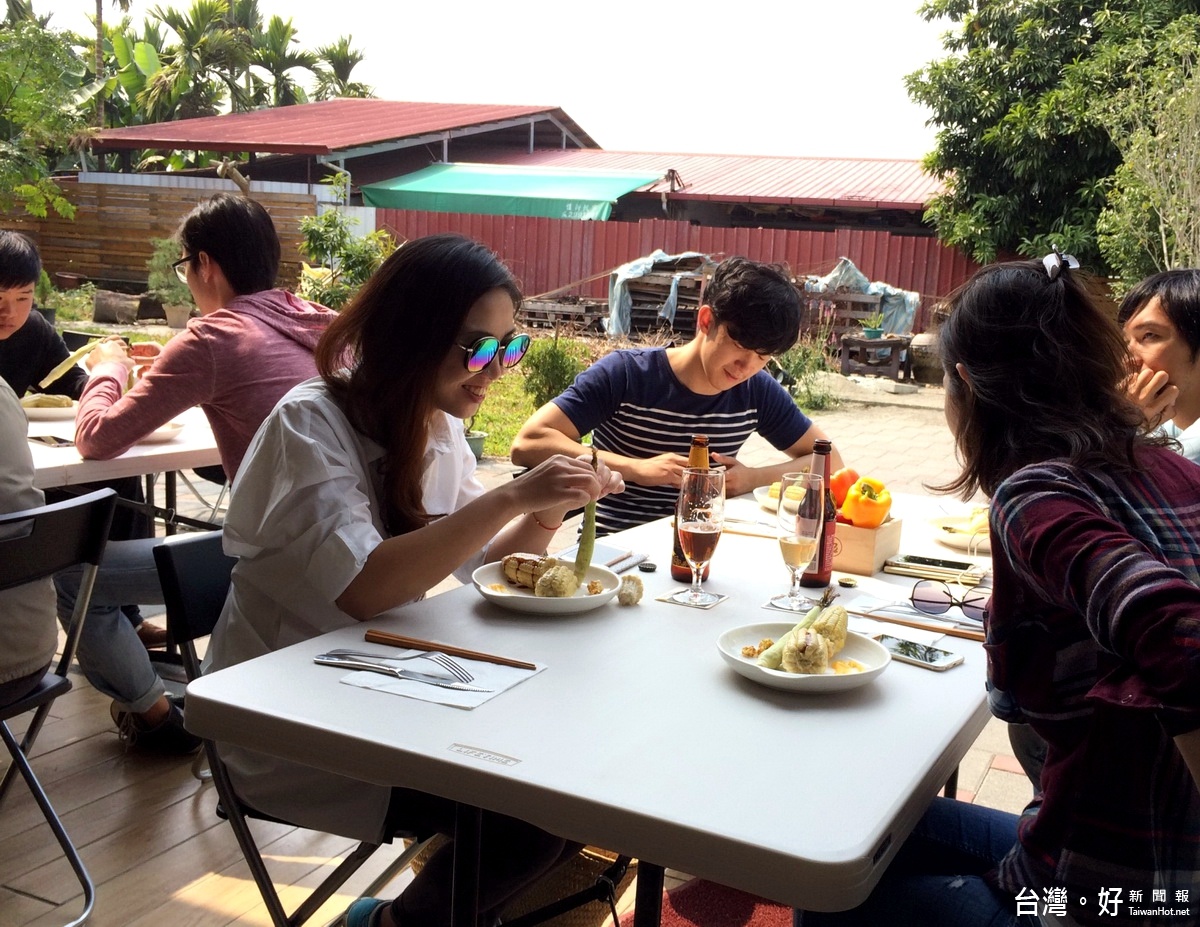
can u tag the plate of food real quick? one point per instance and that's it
(768, 496)
(859, 661)
(43, 407)
(162, 433)
(497, 585)
(965, 532)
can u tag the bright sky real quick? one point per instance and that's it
(805, 77)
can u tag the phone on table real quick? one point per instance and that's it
(51, 441)
(957, 571)
(919, 654)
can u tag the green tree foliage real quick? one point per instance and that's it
(1151, 222)
(551, 366)
(336, 62)
(344, 261)
(42, 102)
(1025, 156)
(277, 52)
(200, 72)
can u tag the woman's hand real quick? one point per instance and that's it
(560, 484)
(1153, 393)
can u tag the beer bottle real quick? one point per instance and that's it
(697, 457)
(820, 571)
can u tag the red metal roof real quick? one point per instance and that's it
(867, 183)
(323, 128)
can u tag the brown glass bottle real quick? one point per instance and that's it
(697, 457)
(820, 571)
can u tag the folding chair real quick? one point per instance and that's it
(195, 574)
(36, 544)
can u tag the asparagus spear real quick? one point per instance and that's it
(587, 539)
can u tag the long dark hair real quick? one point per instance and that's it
(1045, 373)
(381, 356)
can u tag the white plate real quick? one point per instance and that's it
(871, 654)
(762, 495)
(51, 413)
(521, 599)
(162, 434)
(956, 532)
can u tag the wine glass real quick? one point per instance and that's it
(699, 517)
(798, 519)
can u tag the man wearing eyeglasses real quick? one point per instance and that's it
(252, 343)
(643, 405)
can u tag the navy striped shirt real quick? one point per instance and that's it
(636, 407)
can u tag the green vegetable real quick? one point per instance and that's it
(74, 358)
(587, 538)
(772, 657)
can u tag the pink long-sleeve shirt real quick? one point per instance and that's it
(235, 363)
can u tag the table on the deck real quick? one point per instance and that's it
(637, 737)
(194, 446)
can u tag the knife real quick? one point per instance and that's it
(327, 659)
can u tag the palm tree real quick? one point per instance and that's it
(333, 80)
(201, 69)
(99, 59)
(275, 54)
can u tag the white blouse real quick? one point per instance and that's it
(302, 520)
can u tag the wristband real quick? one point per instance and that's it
(537, 521)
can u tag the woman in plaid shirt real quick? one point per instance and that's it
(1093, 632)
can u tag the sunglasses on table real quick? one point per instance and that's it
(934, 597)
(484, 351)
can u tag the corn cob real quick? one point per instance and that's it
(831, 624)
(526, 569)
(70, 361)
(773, 655)
(558, 582)
(805, 651)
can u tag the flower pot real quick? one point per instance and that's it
(177, 316)
(475, 441)
(66, 281)
(872, 332)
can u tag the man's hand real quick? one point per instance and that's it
(1153, 393)
(738, 479)
(111, 350)
(663, 470)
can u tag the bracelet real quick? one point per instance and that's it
(537, 521)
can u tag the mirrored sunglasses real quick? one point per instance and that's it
(484, 351)
(934, 597)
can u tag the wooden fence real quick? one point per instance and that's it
(109, 240)
(547, 254)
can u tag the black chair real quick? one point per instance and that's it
(195, 575)
(35, 544)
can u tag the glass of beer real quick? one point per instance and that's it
(799, 514)
(699, 517)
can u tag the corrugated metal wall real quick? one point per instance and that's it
(546, 254)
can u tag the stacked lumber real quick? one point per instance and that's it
(649, 293)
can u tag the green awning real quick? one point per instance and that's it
(505, 190)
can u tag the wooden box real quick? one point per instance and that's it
(863, 550)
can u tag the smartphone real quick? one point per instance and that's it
(51, 441)
(919, 654)
(959, 571)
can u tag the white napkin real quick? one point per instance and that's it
(487, 676)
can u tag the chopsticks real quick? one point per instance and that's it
(415, 643)
(908, 623)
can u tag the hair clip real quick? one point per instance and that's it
(1056, 260)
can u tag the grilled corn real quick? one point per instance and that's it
(526, 569)
(557, 582)
(831, 624)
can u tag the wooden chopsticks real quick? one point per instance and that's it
(942, 629)
(415, 643)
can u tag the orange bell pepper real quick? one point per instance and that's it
(867, 503)
(840, 483)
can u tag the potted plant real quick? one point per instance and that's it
(165, 285)
(872, 325)
(43, 294)
(475, 438)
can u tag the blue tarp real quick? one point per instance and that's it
(620, 303)
(899, 307)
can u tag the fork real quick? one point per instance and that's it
(332, 659)
(449, 664)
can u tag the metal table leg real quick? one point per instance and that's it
(647, 904)
(464, 896)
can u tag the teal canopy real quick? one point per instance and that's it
(505, 190)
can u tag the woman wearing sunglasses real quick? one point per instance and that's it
(1093, 628)
(358, 495)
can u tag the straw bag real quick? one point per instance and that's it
(581, 873)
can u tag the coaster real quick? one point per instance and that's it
(666, 597)
(771, 606)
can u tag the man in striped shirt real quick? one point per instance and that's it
(644, 405)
